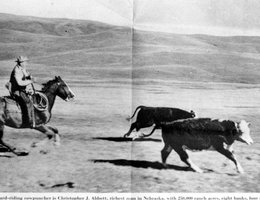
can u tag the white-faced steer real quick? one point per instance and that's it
(148, 116)
(203, 134)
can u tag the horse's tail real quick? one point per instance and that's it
(134, 112)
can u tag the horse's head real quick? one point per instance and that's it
(63, 90)
(58, 87)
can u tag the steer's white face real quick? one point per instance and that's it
(244, 132)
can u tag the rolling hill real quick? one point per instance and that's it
(96, 51)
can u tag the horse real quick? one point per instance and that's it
(11, 114)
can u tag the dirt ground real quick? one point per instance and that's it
(93, 156)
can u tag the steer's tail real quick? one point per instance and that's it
(134, 113)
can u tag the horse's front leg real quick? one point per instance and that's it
(50, 132)
(56, 135)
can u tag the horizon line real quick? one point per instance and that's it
(198, 30)
(174, 29)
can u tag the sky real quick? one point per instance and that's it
(222, 17)
(215, 17)
(118, 12)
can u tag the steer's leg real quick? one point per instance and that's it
(185, 158)
(229, 154)
(133, 126)
(154, 128)
(165, 153)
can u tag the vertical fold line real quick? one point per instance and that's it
(132, 81)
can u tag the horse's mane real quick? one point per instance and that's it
(47, 84)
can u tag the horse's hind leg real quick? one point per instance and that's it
(9, 147)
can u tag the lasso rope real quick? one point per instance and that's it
(43, 104)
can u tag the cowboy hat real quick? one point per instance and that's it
(21, 59)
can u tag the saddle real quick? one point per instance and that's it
(40, 100)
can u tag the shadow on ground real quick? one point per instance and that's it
(3, 149)
(122, 139)
(141, 164)
(4, 152)
(6, 156)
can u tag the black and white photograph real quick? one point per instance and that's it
(129, 96)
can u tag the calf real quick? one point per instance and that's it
(203, 134)
(148, 116)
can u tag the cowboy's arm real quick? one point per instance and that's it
(18, 74)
